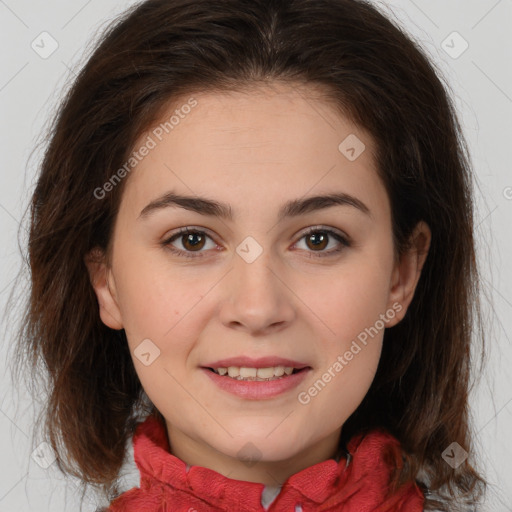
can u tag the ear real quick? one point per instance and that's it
(407, 271)
(103, 283)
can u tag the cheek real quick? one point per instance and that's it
(155, 300)
(157, 306)
(344, 376)
(340, 386)
(352, 301)
(353, 308)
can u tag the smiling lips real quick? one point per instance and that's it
(261, 362)
(248, 373)
(256, 378)
(262, 368)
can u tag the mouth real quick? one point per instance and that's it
(251, 374)
(252, 383)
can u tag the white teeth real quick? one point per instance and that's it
(254, 373)
(278, 371)
(233, 371)
(248, 372)
(264, 373)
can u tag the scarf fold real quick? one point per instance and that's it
(359, 485)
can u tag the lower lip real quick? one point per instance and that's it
(257, 390)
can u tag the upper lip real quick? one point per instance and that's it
(260, 362)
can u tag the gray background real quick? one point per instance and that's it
(481, 80)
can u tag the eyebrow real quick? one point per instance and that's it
(293, 208)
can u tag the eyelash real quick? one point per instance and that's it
(323, 254)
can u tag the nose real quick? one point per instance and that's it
(257, 298)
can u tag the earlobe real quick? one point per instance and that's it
(103, 283)
(407, 271)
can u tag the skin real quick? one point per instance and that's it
(255, 151)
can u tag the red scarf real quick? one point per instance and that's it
(329, 486)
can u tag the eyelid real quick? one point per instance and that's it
(328, 229)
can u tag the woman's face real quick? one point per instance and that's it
(252, 283)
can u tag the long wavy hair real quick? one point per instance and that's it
(381, 79)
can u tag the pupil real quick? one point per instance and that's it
(321, 239)
(190, 240)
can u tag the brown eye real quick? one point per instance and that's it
(317, 240)
(193, 241)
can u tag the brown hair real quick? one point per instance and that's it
(380, 79)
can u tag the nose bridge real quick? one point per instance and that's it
(257, 297)
(254, 267)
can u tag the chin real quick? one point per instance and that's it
(260, 449)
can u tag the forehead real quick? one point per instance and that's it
(254, 146)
